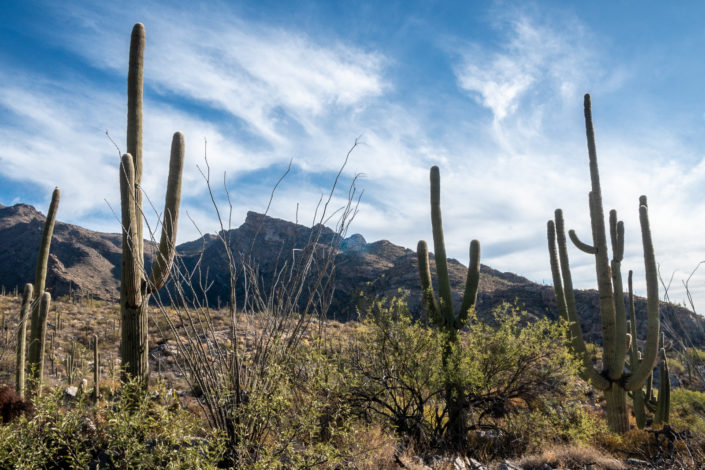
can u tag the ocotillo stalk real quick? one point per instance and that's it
(611, 380)
(96, 370)
(136, 286)
(22, 339)
(39, 323)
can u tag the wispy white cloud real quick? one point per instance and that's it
(257, 73)
(534, 59)
(262, 94)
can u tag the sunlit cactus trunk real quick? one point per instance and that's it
(136, 286)
(612, 379)
(38, 328)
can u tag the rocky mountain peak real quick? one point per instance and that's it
(355, 243)
(88, 263)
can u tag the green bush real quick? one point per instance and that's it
(133, 431)
(397, 375)
(305, 420)
(688, 410)
(518, 376)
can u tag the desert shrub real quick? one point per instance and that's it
(688, 410)
(139, 430)
(663, 447)
(134, 431)
(396, 369)
(518, 376)
(306, 420)
(523, 383)
(693, 362)
(11, 405)
(54, 437)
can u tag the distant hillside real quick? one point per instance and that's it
(88, 263)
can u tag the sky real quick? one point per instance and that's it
(491, 92)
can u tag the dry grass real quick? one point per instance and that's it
(79, 320)
(571, 457)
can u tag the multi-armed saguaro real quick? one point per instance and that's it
(136, 286)
(440, 309)
(612, 380)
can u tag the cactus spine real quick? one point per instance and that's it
(136, 287)
(38, 327)
(612, 380)
(440, 309)
(22, 338)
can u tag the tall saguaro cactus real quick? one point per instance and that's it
(136, 286)
(440, 309)
(38, 328)
(612, 380)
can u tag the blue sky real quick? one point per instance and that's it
(489, 91)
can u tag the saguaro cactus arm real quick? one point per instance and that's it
(429, 296)
(167, 243)
(634, 350)
(556, 235)
(471, 283)
(43, 258)
(616, 367)
(643, 370)
(556, 271)
(589, 249)
(22, 339)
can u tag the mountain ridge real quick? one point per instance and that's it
(87, 263)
